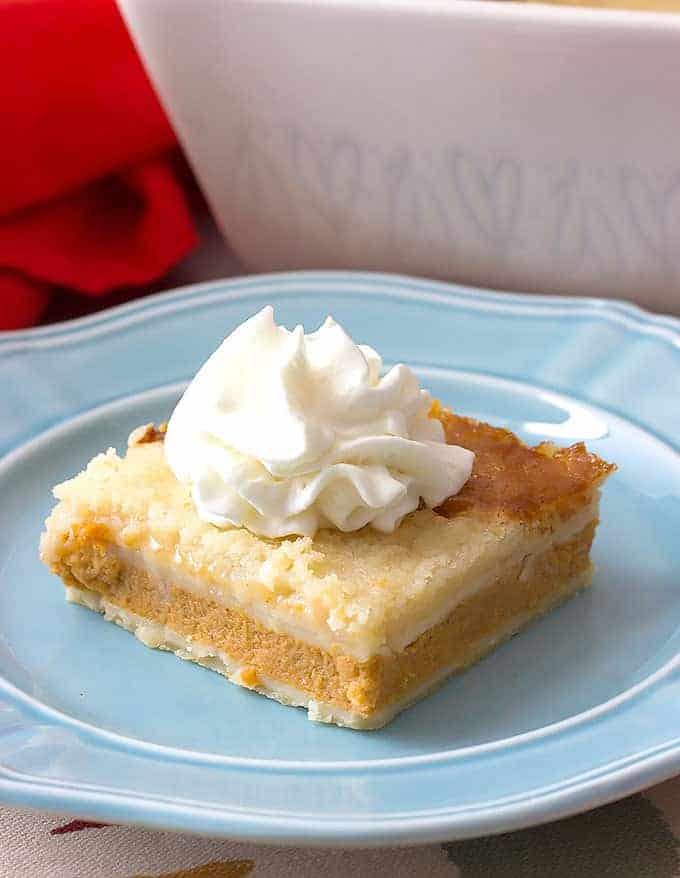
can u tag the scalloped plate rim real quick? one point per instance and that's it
(597, 786)
(453, 291)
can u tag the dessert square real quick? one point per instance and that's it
(353, 626)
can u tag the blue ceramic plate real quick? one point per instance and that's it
(582, 708)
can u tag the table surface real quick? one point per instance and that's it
(638, 837)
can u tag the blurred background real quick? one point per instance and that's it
(97, 203)
(504, 145)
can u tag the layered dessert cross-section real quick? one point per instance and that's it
(322, 531)
(352, 626)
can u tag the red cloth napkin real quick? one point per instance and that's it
(89, 197)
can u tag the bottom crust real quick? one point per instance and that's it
(157, 636)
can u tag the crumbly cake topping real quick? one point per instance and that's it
(363, 589)
(350, 584)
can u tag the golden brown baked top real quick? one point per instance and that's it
(511, 479)
(508, 477)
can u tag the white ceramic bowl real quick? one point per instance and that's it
(506, 145)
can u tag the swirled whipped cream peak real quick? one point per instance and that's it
(285, 433)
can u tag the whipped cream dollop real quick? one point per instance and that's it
(284, 433)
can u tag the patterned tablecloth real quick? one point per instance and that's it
(638, 837)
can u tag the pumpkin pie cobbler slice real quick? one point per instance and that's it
(353, 624)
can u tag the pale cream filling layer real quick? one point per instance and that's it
(402, 632)
(409, 630)
(158, 636)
